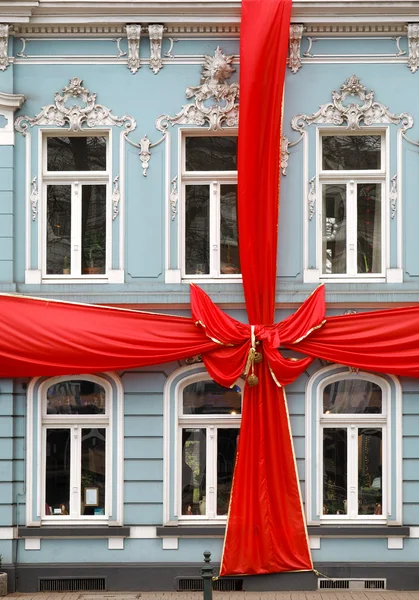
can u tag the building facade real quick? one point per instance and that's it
(118, 186)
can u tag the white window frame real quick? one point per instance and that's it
(39, 421)
(351, 179)
(390, 420)
(212, 179)
(211, 423)
(76, 179)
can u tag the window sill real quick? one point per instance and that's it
(99, 531)
(372, 531)
(377, 531)
(191, 531)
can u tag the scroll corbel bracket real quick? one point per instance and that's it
(133, 37)
(393, 196)
(174, 197)
(311, 198)
(294, 59)
(4, 45)
(155, 33)
(413, 42)
(34, 197)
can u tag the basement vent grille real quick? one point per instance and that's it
(72, 584)
(352, 584)
(196, 584)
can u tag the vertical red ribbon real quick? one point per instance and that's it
(265, 531)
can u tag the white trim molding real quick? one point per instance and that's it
(8, 104)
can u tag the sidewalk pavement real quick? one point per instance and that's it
(318, 595)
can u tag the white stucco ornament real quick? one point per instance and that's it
(223, 111)
(63, 112)
(365, 111)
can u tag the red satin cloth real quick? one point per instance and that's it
(265, 530)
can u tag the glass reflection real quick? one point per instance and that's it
(58, 229)
(76, 153)
(335, 478)
(351, 152)
(208, 398)
(230, 262)
(194, 471)
(211, 153)
(226, 458)
(93, 464)
(334, 229)
(197, 226)
(93, 229)
(370, 469)
(76, 398)
(57, 480)
(369, 227)
(348, 396)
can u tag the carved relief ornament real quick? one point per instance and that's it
(294, 60)
(413, 41)
(366, 111)
(155, 33)
(4, 43)
(133, 37)
(223, 112)
(76, 115)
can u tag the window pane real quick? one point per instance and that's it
(209, 398)
(93, 227)
(351, 152)
(58, 229)
(226, 458)
(197, 220)
(93, 464)
(370, 467)
(352, 396)
(334, 228)
(229, 240)
(57, 484)
(194, 468)
(76, 153)
(76, 398)
(216, 153)
(369, 227)
(335, 478)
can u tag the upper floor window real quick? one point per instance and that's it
(209, 180)
(209, 422)
(353, 447)
(352, 180)
(76, 178)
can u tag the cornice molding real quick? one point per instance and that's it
(205, 12)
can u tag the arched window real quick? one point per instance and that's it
(78, 458)
(352, 447)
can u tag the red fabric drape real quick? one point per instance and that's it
(385, 341)
(265, 531)
(40, 337)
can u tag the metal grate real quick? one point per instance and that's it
(196, 584)
(352, 584)
(72, 584)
